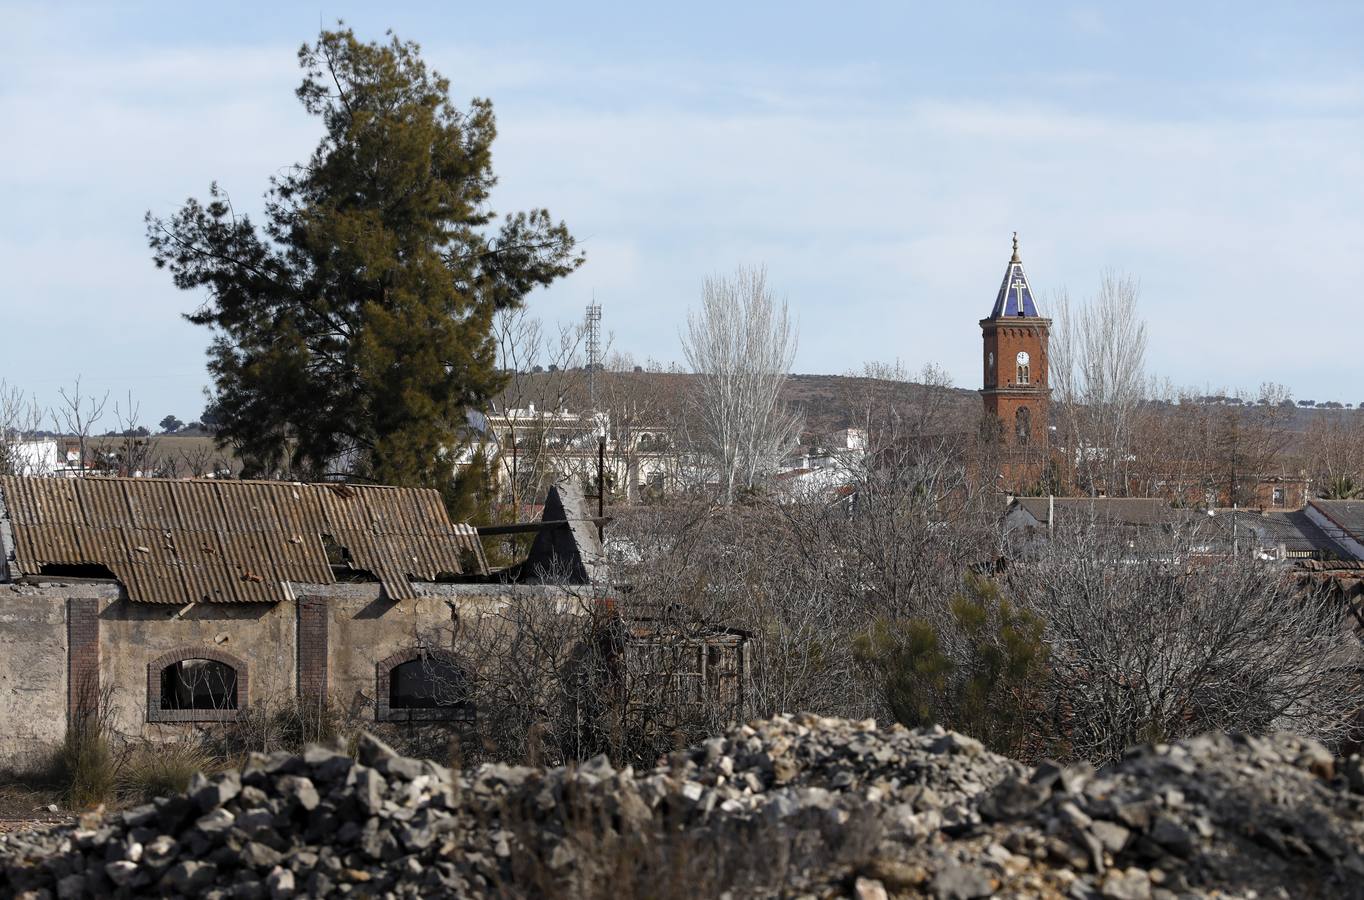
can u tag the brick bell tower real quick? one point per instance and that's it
(1015, 335)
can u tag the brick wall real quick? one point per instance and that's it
(312, 647)
(82, 672)
(1002, 340)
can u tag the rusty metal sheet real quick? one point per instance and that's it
(233, 541)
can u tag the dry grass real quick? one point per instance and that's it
(151, 770)
(84, 764)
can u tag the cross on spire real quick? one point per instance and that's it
(1018, 287)
(1015, 296)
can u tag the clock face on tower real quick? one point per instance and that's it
(1023, 357)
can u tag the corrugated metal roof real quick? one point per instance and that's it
(233, 541)
(1348, 514)
(1119, 510)
(1291, 528)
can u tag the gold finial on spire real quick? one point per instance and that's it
(1015, 259)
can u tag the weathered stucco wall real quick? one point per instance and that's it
(363, 628)
(32, 673)
(134, 634)
(352, 627)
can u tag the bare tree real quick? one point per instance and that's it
(20, 420)
(918, 404)
(741, 343)
(133, 449)
(1334, 451)
(1151, 641)
(1098, 358)
(536, 439)
(200, 460)
(78, 415)
(646, 422)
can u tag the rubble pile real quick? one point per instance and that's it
(790, 806)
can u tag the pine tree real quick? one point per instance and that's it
(353, 330)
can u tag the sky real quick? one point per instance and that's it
(875, 157)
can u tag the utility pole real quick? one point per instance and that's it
(601, 487)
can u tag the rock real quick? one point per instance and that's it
(280, 883)
(789, 806)
(369, 750)
(400, 767)
(368, 789)
(256, 855)
(300, 790)
(211, 794)
(1112, 835)
(962, 882)
(1354, 773)
(869, 889)
(120, 871)
(215, 823)
(72, 887)
(1172, 836)
(160, 851)
(1131, 884)
(189, 877)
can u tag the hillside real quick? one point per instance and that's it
(827, 403)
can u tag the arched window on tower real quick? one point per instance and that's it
(1023, 425)
(1024, 373)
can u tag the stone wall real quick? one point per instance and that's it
(332, 637)
(33, 683)
(136, 635)
(363, 628)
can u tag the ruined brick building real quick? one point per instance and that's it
(189, 601)
(182, 605)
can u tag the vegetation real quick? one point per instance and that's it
(151, 770)
(353, 329)
(981, 674)
(84, 765)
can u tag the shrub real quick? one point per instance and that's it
(152, 770)
(289, 724)
(84, 765)
(979, 670)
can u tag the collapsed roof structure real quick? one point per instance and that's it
(170, 541)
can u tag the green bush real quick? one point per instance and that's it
(979, 670)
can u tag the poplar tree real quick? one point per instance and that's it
(353, 328)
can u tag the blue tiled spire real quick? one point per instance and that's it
(1015, 294)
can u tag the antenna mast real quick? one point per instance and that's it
(593, 328)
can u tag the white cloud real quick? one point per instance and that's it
(884, 218)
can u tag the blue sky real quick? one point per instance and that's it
(875, 157)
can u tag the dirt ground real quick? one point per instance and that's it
(24, 808)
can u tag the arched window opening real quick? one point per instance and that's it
(1024, 376)
(428, 686)
(198, 684)
(1023, 425)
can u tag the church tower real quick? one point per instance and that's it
(1015, 335)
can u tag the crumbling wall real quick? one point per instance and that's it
(32, 673)
(332, 635)
(134, 634)
(364, 628)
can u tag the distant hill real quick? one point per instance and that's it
(827, 403)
